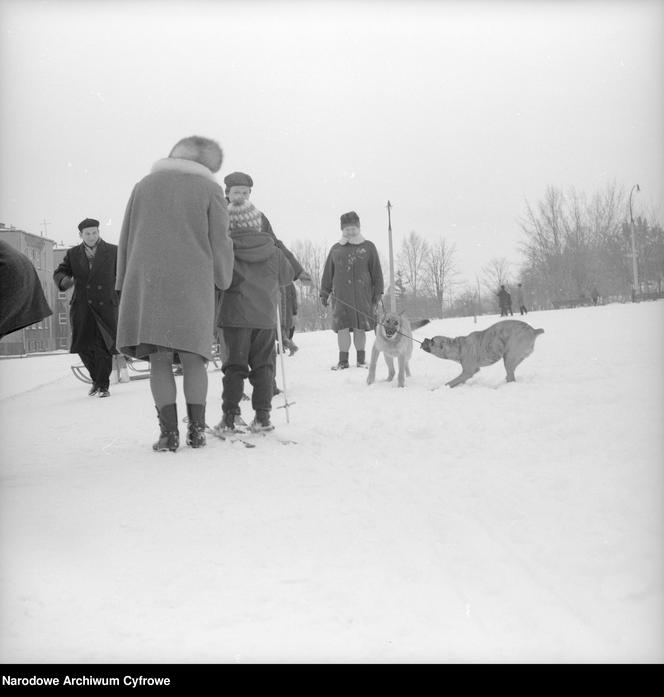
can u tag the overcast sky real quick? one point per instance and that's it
(458, 113)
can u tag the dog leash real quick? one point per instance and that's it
(373, 319)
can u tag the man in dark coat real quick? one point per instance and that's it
(354, 278)
(505, 302)
(22, 300)
(90, 267)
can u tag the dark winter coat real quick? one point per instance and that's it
(174, 249)
(22, 300)
(297, 267)
(260, 269)
(354, 277)
(504, 299)
(94, 293)
(288, 307)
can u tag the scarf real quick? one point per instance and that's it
(358, 239)
(90, 253)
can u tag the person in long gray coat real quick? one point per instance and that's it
(174, 250)
(353, 277)
(22, 299)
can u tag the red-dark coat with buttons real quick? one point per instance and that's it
(94, 293)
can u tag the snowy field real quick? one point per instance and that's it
(489, 523)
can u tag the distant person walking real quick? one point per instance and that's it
(174, 250)
(22, 299)
(504, 302)
(353, 278)
(90, 267)
(520, 300)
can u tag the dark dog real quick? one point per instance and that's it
(394, 338)
(510, 340)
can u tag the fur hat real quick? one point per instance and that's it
(205, 151)
(351, 218)
(244, 217)
(238, 179)
(88, 222)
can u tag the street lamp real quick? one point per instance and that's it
(635, 271)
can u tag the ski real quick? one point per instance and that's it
(245, 437)
(230, 437)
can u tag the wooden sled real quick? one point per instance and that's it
(119, 362)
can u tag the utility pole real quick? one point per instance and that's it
(45, 223)
(635, 269)
(393, 300)
(479, 299)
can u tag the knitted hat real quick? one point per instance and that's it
(244, 217)
(351, 218)
(88, 222)
(238, 179)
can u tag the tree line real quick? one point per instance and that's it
(572, 247)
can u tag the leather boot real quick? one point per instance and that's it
(343, 361)
(169, 438)
(196, 425)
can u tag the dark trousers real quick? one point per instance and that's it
(523, 310)
(96, 357)
(248, 355)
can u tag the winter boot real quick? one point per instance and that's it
(93, 391)
(226, 425)
(362, 359)
(196, 425)
(261, 422)
(343, 361)
(169, 438)
(238, 421)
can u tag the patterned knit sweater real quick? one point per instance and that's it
(244, 217)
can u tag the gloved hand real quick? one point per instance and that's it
(324, 299)
(66, 283)
(304, 278)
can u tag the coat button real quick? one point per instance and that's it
(101, 303)
(89, 302)
(98, 287)
(88, 287)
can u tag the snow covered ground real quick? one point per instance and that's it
(489, 523)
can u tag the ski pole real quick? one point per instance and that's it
(281, 360)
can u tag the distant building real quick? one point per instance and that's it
(61, 323)
(40, 336)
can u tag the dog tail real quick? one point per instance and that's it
(417, 323)
(539, 331)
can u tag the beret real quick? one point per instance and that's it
(88, 222)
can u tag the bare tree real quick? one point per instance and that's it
(310, 312)
(411, 261)
(496, 273)
(439, 270)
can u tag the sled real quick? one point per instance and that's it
(119, 363)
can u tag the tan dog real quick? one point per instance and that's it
(394, 339)
(510, 340)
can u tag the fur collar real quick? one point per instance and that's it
(358, 239)
(177, 164)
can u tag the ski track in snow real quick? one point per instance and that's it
(493, 522)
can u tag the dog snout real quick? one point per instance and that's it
(426, 345)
